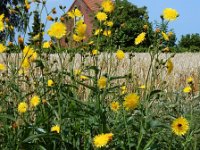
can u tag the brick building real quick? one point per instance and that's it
(88, 8)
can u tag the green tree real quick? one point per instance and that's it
(129, 22)
(12, 9)
(191, 42)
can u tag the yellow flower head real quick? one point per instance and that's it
(107, 33)
(180, 126)
(2, 67)
(190, 80)
(50, 83)
(74, 13)
(77, 13)
(1, 17)
(26, 63)
(46, 45)
(95, 52)
(102, 140)
(81, 29)
(1, 26)
(107, 6)
(101, 16)
(22, 107)
(77, 72)
(102, 82)
(140, 38)
(35, 100)
(57, 30)
(55, 128)
(108, 23)
(114, 106)
(187, 89)
(131, 101)
(120, 55)
(142, 87)
(77, 38)
(165, 36)
(123, 89)
(98, 31)
(2, 48)
(169, 66)
(82, 77)
(170, 14)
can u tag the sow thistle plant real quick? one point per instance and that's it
(57, 105)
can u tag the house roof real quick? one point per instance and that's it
(92, 4)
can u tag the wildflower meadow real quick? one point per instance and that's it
(88, 95)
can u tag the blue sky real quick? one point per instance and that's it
(188, 22)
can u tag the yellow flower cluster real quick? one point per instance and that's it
(108, 6)
(35, 100)
(114, 106)
(120, 54)
(2, 48)
(74, 13)
(80, 30)
(29, 55)
(102, 140)
(22, 107)
(169, 66)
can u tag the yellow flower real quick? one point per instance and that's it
(2, 67)
(142, 87)
(77, 12)
(102, 140)
(1, 17)
(101, 16)
(25, 63)
(95, 52)
(123, 89)
(169, 66)
(108, 23)
(46, 45)
(77, 38)
(22, 107)
(170, 34)
(81, 29)
(50, 82)
(77, 72)
(102, 82)
(107, 6)
(180, 126)
(28, 51)
(131, 101)
(2, 48)
(140, 38)
(114, 106)
(190, 80)
(120, 55)
(107, 33)
(57, 30)
(35, 100)
(74, 13)
(55, 128)
(98, 31)
(187, 89)
(170, 14)
(82, 77)
(1, 26)
(165, 36)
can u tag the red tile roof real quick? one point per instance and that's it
(94, 5)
